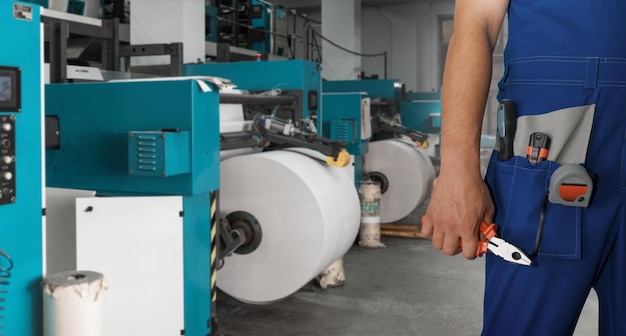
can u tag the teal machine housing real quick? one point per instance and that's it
(271, 32)
(389, 90)
(342, 120)
(21, 182)
(211, 23)
(147, 138)
(251, 24)
(43, 3)
(387, 96)
(289, 75)
(261, 18)
(422, 111)
(386, 99)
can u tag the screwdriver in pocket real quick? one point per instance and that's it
(507, 123)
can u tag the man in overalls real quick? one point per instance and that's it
(565, 70)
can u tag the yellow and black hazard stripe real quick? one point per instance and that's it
(213, 247)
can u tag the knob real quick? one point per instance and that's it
(7, 127)
(7, 176)
(6, 159)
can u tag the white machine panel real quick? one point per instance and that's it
(61, 228)
(137, 243)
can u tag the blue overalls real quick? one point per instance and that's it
(565, 68)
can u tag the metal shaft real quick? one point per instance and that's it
(256, 99)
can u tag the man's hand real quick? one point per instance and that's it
(460, 200)
(458, 204)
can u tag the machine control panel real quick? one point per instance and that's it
(10, 101)
(7, 159)
(10, 89)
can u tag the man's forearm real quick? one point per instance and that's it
(465, 89)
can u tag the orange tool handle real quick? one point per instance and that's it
(483, 247)
(489, 231)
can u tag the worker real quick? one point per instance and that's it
(565, 69)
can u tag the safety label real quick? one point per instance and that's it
(23, 12)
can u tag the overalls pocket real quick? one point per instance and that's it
(519, 191)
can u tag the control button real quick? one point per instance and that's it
(6, 159)
(6, 143)
(7, 176)
(7, 127)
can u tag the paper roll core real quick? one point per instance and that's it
(75, 277)
(73, 303)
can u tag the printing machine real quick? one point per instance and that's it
(21, 178)
(143, 139)
(159, 138)
(248, 24)
(283, 101)
(386, 97)
(129, 140)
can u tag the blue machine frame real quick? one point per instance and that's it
(99, 127)
(21, 164)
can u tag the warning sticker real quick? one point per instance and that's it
(23, 12)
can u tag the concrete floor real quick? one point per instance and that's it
(407, 288)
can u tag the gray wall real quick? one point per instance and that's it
(410, 33)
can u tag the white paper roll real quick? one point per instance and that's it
(309, 214)
(409, 173)
(73, 304)
(232, 120)
(230, 112)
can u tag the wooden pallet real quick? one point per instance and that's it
(402, 230)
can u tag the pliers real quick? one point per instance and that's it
(500, 247)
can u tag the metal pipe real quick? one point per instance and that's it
(385, 60)
(256, 99)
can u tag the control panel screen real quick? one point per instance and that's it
(10, 90)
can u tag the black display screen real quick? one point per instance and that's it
(10, 90)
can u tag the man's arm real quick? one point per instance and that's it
(460, 199)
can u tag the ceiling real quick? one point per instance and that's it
(300, 4)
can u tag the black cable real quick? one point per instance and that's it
(314, 32)
(251, 27)
(542, 219)
(317, 47)
(384, 53)
(5, 273)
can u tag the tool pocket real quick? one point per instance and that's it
(519, 191)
